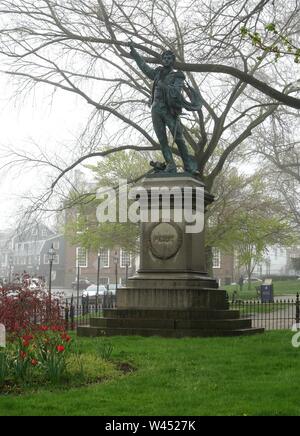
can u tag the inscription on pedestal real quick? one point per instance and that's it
(165, 240)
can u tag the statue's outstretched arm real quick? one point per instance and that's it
(148, 71)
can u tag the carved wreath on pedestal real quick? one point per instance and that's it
(165, 240)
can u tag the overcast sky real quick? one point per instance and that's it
(38, 119)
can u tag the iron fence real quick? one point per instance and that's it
(78, 311)
(273, 315)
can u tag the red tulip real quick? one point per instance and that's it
(23, 355)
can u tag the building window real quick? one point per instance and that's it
(34, 232)
(104, 281)
(104, 258)
(125, 259)
(216, 258)
(56, 245)
(81, 257)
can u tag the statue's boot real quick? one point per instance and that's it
(171, 166)
(190, 165)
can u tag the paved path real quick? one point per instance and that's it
(277, 320)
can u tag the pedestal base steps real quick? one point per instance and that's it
(202, 313)
(168, 323)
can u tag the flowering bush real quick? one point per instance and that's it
(22, 309)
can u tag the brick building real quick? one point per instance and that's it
(115, 265)
(224, 269)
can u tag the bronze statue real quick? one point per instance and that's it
(167, 104)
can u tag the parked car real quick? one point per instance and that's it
(91, 291)
(105, 296)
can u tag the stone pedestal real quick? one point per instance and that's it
(171, 294)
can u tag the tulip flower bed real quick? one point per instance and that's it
(48, 356)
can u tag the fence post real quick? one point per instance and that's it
(87, 304)
(97, 297)
(67, 315)
(72, 313)
(297, 308)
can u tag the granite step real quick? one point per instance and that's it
(178, 314)
(87, 331)
(229, 324)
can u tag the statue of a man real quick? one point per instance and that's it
(167, 104)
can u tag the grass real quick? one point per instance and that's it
(281, 288)
(201, 376)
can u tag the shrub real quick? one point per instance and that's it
(23, 309)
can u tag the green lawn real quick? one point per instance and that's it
(281, 288)
(211, 376)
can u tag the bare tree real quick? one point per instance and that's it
(81, 47)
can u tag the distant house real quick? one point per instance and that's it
(6, 254)
(58, 267)
(30, 253)
(277, 262)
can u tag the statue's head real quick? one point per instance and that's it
(168, 58)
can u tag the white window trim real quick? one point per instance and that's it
(218, 266)
(86, 258)
(108, 258)
(121, 259)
